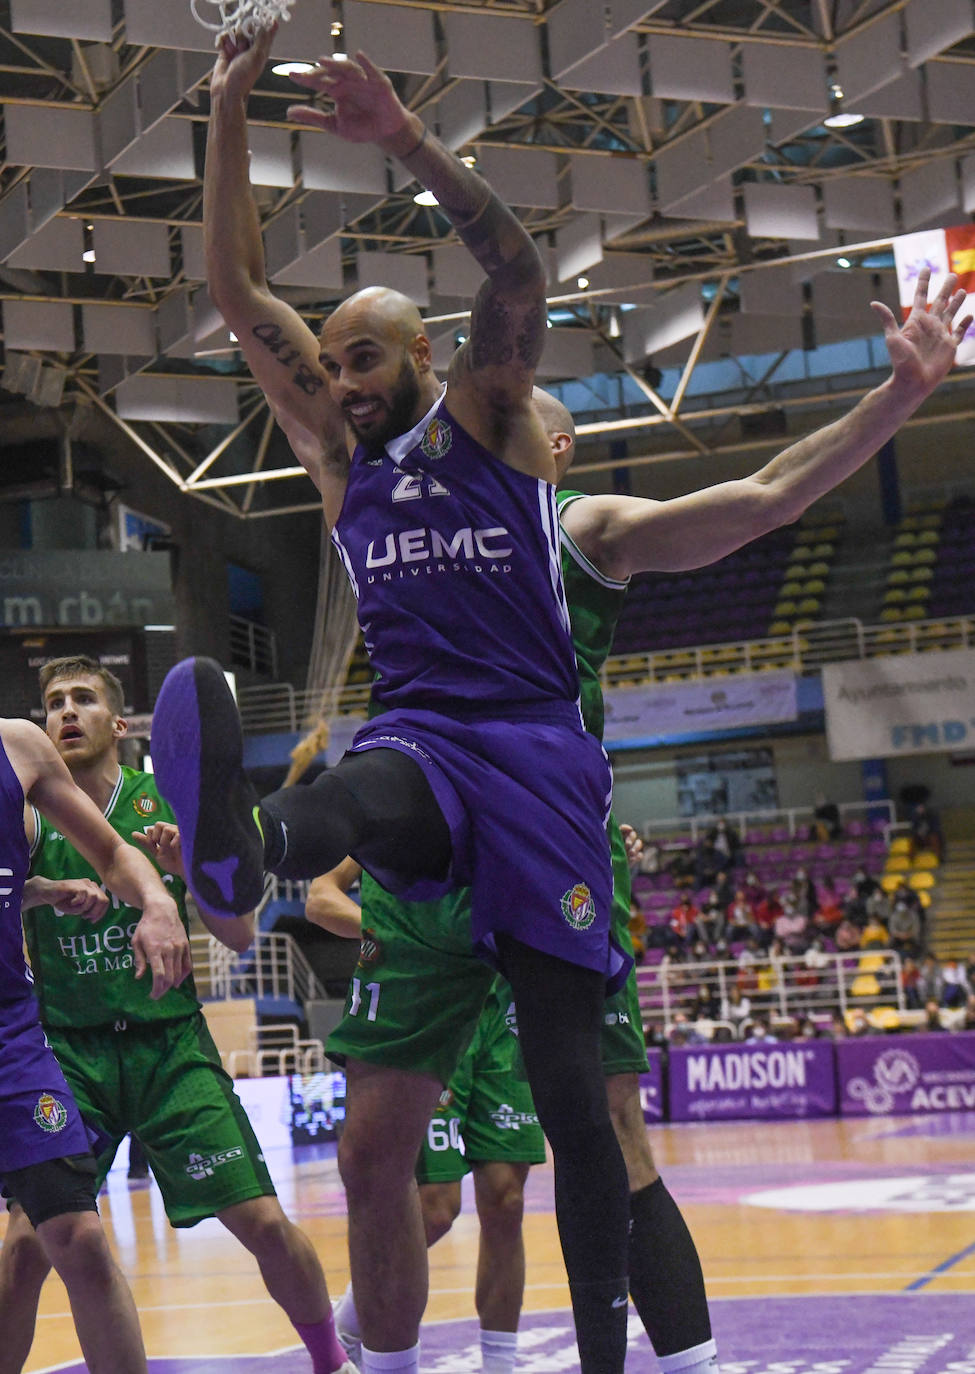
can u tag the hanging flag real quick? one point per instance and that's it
(944, 251)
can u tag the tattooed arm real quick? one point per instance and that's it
(280, 349)
(491, 376)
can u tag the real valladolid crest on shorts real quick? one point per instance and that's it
(578, 907)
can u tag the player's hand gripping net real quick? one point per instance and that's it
(245, 18)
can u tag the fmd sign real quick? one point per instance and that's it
(900, 704)
(85, 589)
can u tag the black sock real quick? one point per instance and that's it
(666, 1282)
(559, 1008)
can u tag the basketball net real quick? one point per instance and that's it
(246, 18)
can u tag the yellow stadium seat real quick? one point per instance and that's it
(900, 844)
(922, 574)
(890, 881)
(931, 520)
(922, 880)
(809, 605)
(819, 569)
(926, 859)
(923, 556)
(902, 559)
(884, 1018)
(865, 985)
(786, 607)
(919, 593)
(780, 627)
(897, 863)
(928, 537)
(898, 576)
(894, 596)
(915, 612)
(870, 963)
(824, 550)
(791, 588)
(890, 613)
(925, 899)
(905, 540)
(814, 587)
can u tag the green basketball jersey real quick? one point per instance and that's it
(595, 602)
(83, 972)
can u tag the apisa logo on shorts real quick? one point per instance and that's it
(370, 950)
(437, 439)
(578, 907)
(144, 805)
(50, 1114)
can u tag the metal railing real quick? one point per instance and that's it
(253, 646)
(784, 989)
(795, 819)
(281, 707)
(273, 966)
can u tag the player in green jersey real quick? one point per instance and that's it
(138, 1064)
(485, 1123)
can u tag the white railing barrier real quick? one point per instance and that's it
(796, 819)
(280, 707)
(273, 966)
(789, 989)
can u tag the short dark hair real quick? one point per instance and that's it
(75, 664)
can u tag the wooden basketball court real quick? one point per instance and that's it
(827, 1246)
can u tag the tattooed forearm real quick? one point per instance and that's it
(274, 339)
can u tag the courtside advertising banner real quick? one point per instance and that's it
(761, 1081)
(943, 251)
(652, 1088)
(687, 708)
(901, 704)
(912, 1073)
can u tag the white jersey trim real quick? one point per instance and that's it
(346, 562)
(577, 556)
(550, 528)
(399, 447)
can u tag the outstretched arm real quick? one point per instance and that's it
(281, 351)
(623, 535)
(492, 373)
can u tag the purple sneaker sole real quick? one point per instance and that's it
(197, 755)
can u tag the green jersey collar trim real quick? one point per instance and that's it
(114, 797)
(579, 557)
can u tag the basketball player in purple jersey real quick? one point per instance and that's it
(45, 1161)
(442, 507)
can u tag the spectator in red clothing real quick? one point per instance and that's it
(681, 923)
(910, 977)
(829, 912)
(768, 910)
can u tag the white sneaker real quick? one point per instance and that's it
(352, 1345)
(348, 1367)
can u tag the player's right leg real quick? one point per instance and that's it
(377, 802)
(24, 1266)
(58, 1198)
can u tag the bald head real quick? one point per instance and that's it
(376, 309)
(559, 425)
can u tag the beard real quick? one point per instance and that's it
(400, 413)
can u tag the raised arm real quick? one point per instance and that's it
(281, 351)
(491, 375)
(160, 944)
(623, 535)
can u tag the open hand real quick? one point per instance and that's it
(922, 350)
(161, 842)
(160, 946)
(365, 107)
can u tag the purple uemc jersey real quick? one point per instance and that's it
(454, 559)
(38, 1116)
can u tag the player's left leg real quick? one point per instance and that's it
(440, 1208)
(666, 1281)
(292, 1275)
(559, 1008)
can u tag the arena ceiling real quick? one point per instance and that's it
(670, 157)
